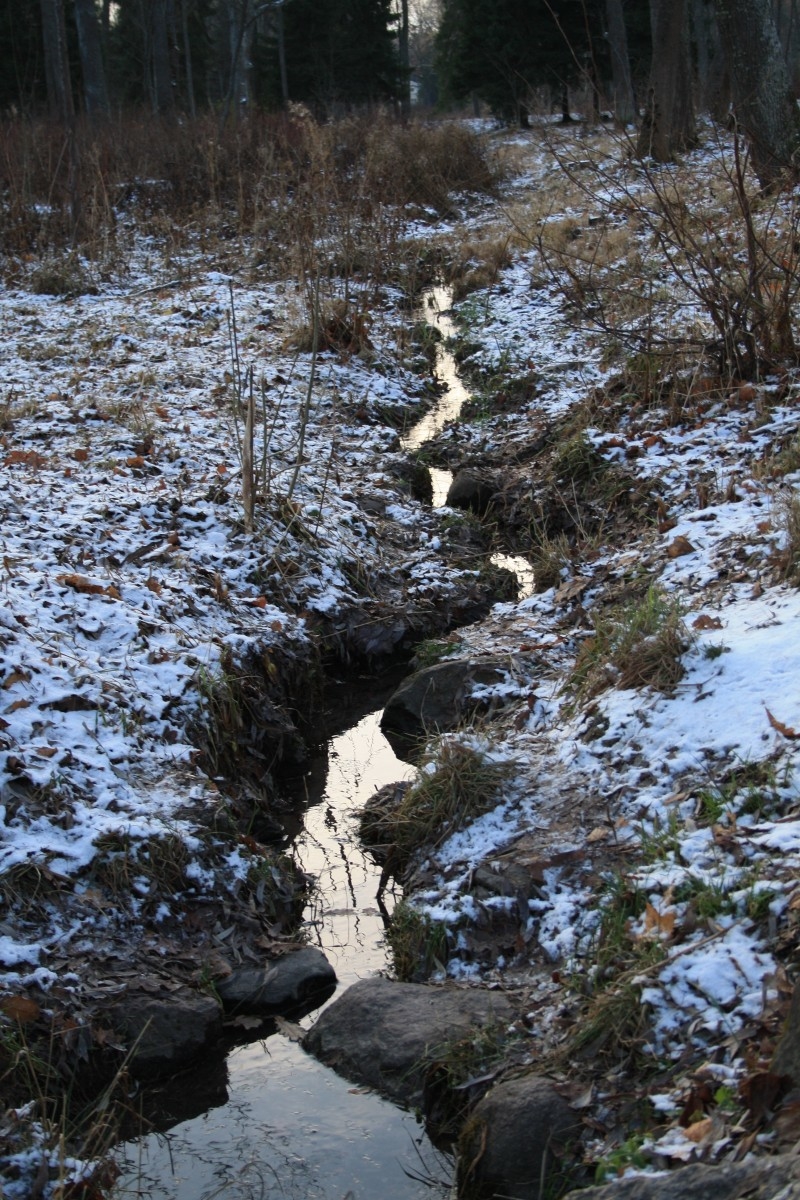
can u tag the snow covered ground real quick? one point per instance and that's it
(128, 581)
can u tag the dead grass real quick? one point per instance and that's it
(640, 644)
(285, 180)
(458, 785)
(789, 521)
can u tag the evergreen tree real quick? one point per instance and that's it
(22, 76)
(337, 52)
(500, 50)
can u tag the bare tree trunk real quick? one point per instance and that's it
(405, 83)
(56, 61)
(668, 127)
(624, 103)
(282, 56)
(762, 99)
(163, 94)
(95, 93)
(187, 58)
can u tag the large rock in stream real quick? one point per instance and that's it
(513, 1140)
(387, 1034)
(438, 698)
(165, 1033)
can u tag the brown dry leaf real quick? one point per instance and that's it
(289, 1029)
(699, 1130)
(658, 922)
(80, 455)
(113, 592)
(706, 622)
(680, 545)
(15, 677)
(20, 1008)
(571, 589)
(81, 584)
(135, 460)
(45, 751)
(598, 834)
(792, 734)
(245, 1022)
(29, 457)
(153, 585)
(276, 626)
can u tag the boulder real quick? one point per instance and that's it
(472, 489)
(164, 1034)
(513, 1140)
(298, 979)
(775, 1178)
(438, 698)
(386, 1034)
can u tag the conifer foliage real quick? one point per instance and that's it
(185, 55)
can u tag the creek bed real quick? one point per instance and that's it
(268, 1120)
(279, 1123)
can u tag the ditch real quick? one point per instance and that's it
(265, 1119)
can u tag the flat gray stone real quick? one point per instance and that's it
(164, 1035)
(775, 1178)
(385, 1034)
(289, 982)
(514, 1138)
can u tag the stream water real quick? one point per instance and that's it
(266, 1121)
(278, 1123)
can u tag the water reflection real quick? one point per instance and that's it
(291, 1127)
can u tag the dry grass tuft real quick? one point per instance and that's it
(638, 645)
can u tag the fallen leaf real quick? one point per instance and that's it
(276, 626)
(598, 834)
(792, 734)
(289, 1029)
(29, 457)
(706, 622)
(20, 1008)
(571, 589)
(680, 545)
(153, 585)
(245, 1022)
(135, 460)
(16, 677)
(81, 584)
(660, 923)
(699, 1130)
(80, 455)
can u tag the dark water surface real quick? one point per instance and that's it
(273, 1122)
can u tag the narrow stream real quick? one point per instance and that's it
(283, 1125)
(267, 1121)
(437, 304)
